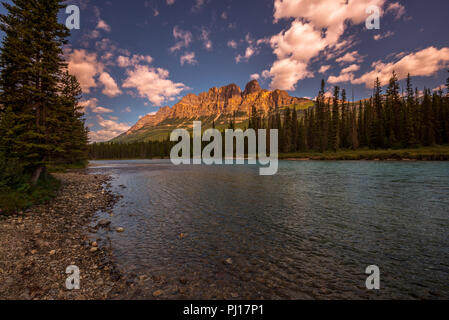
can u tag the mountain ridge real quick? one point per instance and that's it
(215, 104)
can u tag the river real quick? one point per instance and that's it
(309, 232)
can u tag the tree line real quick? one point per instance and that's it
(386, 120)
(41, 123)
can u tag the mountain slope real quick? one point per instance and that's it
(217, 105)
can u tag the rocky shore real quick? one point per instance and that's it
(37, 246)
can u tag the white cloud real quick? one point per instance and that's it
(170, 2)
(189, 58)
(422, 63)
(324, 69)
(255, 76)
(85, 67)
(397, 9)
(102, 25)
(232, 44)
(184, 39)
(378, 37)
(153, 84)
(110, 129)
(124, 61)
(110, 86)
(346, 75)
(350, 57)
(252, 49)
(91, 105)
(305, 39)
(205, 38)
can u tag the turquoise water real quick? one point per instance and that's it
(307, 233)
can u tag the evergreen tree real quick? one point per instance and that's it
(378, 137)
(334, 137)
(32, 70)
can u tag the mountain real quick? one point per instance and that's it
(218, 105)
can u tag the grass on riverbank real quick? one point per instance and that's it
(18, 194)
(14, 200)
(434, 153)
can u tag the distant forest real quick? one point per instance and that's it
(387, 120)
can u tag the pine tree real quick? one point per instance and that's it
(394, 108)
(287, 131)
(295, 129)
(428, 133)
(379, 134)
(72, 134)
(32, 69)
(334, 137)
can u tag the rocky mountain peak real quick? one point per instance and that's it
(218, 102)
(252, 87)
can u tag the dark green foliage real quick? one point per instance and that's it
(41, 123)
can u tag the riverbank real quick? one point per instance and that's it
(37, 246)
(436, 153)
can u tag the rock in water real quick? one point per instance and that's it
(103, 224)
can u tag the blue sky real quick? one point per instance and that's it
(132, 57)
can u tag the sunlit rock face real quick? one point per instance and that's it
(220, 101)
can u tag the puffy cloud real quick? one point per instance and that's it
(84, 66)
(127, 109)
(232, 44)
(397, 9)
(153, 84)
(305, 39)
(189, 58)
(110, 86)
(252, 49)
(324, 69)
(350, 57)
(351, 68)
(91, 105)
(184, 39)
(378, 37)
(124, 61)
(170, 2)
(255, 76)
(285, 73)
(102, 25)
(110, 129)
(347, 74)
(422, 63)
(205, 38)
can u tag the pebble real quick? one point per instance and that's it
(120, 230)
(158, 293)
